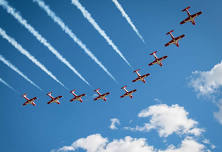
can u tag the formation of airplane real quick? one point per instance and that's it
(157, 60)
(29, 101)
(55, 100)
(76, 97)
(190, 18)
(101, 96)
(175, 40)
(140, 77)
(127, 93)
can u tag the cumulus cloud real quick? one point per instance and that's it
(97, 143)
(114, 122)
(92, 143)
(168, 120)
(218, 114)
(187, 145)
(207, 82)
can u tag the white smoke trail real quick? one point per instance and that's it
(39, 37)
(5, 83)
(17, 71)
(68, 31)
(88, 16)
(127, 18)
(28, 55)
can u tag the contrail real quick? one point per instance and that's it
(88, 16)
(5, 83)
(28, 55)
(127, 18)
(68, 31)
(18, 71)
(39, 37)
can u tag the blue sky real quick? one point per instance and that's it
(47, 127)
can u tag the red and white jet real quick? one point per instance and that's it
(190, 18)
(56, 99)
(174, 39)
(140, 77)
(101, 96)
(29, 101)
(128, 93)
(77, 97)
(157, 60)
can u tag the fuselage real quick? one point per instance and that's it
(55, 100)
(103, 96)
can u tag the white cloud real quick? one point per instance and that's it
(187, 145)
(92, 143)
(218, 114)
(114, 122)
(168, 120)
(207, 142)
(97, 143)
(207, 82)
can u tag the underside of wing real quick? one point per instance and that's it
(180, 37)
(184, 21)
(197, 14)
(136, 79)
(167, 44)
(152, 63)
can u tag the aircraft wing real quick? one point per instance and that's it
(25, 103)
(49, 102)
(82, 95)
(146, 75)
(184, 21)
(106, 93)
(123, 95)
(163, 58)
(180, 37)
(197, 14)
(96, 98)
(152, 63)
(167, 44)
(133, 91)
(136, 79)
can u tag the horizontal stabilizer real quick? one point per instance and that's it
(186, 9)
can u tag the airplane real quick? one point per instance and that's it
(157, 60)
(140, 77)
(174, 39)
(77, 97)
(56, 99)
(127, 93)
(101, 96)
(190, 18)
(29, 101)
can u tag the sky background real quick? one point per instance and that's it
(46, 127)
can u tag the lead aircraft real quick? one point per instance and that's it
(101, 96)
(190, 18)
(29, 101)
(157, 60)
(76, 97)
(174, 39)
(140, 77)
(128, 93)
(55, 100)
